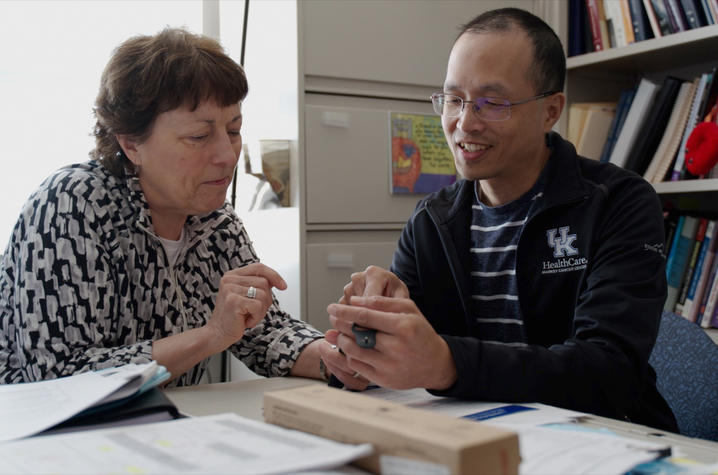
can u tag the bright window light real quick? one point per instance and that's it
(51, 59)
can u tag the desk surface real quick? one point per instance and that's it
(245, 398)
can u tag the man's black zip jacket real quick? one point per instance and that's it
(591, 316)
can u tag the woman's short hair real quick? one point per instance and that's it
(548, 71)
(149, 75)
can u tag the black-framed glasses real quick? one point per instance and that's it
(487, 108)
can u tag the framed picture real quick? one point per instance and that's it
(421, 161)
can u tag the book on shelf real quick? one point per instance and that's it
(576, 119)
(709, 98)
(576, 34)
(690, 268)
(708, 12)
(641, 26)
(636, 115)
(675, 16)
(678, 257)
(709, 316)
(597, 25)
(693, 118)
(672, 134)
(653, 127)
(701, 318)
(697, 285)
(627, 22)
(615, 22)
(597, 31)
(578, 112)
(588, 125)
(609, 41)
(668, 148)
(624, 104)
(595, 130)
(657, 17)
(693, 11)
(670, 221)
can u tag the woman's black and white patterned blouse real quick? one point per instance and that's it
(85, 284)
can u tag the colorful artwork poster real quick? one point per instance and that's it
(421, 162)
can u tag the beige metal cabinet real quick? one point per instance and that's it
(358, 61)
(333, 256)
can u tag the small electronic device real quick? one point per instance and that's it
(365, 337)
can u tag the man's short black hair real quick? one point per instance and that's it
(548, 71)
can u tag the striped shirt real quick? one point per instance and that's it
(495, 234)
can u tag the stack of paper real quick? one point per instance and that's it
(28, 408)
(549, 440)
(225, 443)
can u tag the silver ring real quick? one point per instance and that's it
(356, 375)
(334, 347)
(251, 292)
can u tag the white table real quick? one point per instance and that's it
(245, 398)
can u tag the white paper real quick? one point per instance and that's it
(224, 443)
(550, 442)
(556, 451)
(28, 408)
(421, 399)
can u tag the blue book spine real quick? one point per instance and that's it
(576, 35)
(675, 274)
(611, 137)
(707, 13)
(674, 244)
(621, 120)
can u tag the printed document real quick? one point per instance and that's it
(29, 408)
(224, 443)
(549, 439)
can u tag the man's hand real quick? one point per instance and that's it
(408, 352)
(374, 281)
(337, 364)
(234, 310)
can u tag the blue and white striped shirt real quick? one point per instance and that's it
(495, 234)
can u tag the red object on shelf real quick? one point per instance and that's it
(702, 148)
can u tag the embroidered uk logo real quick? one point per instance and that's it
(562, 244)
(564, 252)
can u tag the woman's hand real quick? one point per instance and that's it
(235, 310)
(373, 281)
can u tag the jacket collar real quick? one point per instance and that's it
(564, 180)
(197, 227)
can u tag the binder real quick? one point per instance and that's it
(654, 126)
(150, 406)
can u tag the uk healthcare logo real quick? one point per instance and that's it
(562, 245)
(563, 250)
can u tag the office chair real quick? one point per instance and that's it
(686, 364)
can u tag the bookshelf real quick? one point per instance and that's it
(602, 75)
(677, 50)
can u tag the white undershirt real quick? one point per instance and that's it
(172, 248)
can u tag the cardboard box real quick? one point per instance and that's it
(406, 440)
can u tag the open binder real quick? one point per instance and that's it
(29, 408)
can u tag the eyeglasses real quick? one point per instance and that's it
(487, 108)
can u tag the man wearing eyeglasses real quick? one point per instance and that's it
(539, 277)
